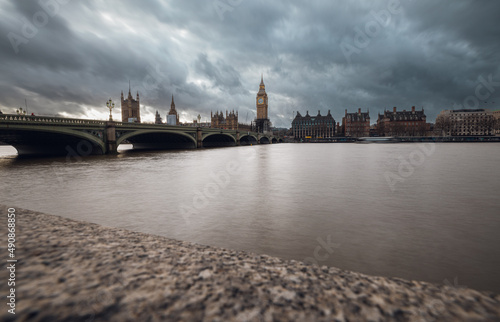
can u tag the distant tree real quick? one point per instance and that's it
(443, 125)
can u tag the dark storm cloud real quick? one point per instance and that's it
(210, 55)
(223, 75)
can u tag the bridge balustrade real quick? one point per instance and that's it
(47, 119)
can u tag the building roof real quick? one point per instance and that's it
(318, 118)
(403, 115)
(468, 110)
(358, 117)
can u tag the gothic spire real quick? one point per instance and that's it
(172, 106)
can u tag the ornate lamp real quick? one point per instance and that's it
(20, 111)
(110, 105)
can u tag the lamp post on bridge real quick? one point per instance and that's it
(110, 105)
(110, 136)
(20, 111)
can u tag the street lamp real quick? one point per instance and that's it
(20, 111)
(110, 105)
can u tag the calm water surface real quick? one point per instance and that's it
(435, 218)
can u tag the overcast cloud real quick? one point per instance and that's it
(69, 57)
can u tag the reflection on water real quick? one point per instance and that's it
(419, 212)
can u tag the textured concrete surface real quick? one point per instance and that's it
(77, 271)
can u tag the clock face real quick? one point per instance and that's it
(261, 101)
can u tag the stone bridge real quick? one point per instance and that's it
(35, 135)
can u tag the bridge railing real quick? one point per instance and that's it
(51, 120)
(14, 118)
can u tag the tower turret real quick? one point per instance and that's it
(130, 107)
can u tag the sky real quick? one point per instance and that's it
(68, 57)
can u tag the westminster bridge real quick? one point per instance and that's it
(35, 135)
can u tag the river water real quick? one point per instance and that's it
(423, 212)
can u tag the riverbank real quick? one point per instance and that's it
(76, 271)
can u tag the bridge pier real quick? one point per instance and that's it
(238, 143)
(111, 146)
(199, 137)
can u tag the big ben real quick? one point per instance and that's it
(262, 106)
(262, 122)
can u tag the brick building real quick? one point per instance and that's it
(356, 124)
(402, 123)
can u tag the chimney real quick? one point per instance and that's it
(413, 109)
(359, 110)
(394, 109)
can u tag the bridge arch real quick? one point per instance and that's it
(155, 140)
(248, 139)
(274, 140)
(52, 141)
(218, 140)
(264, 140)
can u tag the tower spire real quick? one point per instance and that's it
(262, 78)
(172, 105)
(129, 86)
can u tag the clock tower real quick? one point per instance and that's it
(262, 106)
(262, 123)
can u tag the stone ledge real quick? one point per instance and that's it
(76, 271)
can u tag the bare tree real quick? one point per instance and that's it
(443, 125)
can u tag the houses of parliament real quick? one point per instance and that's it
(261, 122)
(130, 109)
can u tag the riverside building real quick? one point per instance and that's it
(317, 127)
(356, 124)
(496, 115)
(402, 123)
(466, 122)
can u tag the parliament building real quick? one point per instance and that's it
(262, 123)
(230, 122)
(131, 111)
